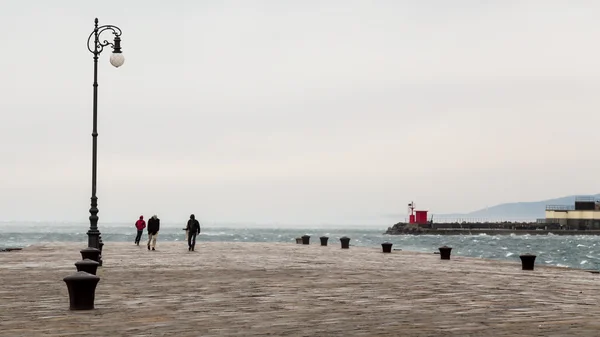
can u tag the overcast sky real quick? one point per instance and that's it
(298, 112)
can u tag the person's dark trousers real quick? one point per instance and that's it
(138, 237)
(192, 241)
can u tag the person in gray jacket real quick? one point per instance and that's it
(153, 228)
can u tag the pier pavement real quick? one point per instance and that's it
(271, 289)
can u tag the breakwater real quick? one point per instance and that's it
(504, 228)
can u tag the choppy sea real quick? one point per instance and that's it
(581, 251)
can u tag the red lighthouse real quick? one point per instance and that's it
(411, 208)
(416, 217)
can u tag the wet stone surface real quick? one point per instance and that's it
(258, 289)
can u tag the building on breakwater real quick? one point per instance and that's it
(583, 215)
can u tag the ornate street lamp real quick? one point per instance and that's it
(96, 46)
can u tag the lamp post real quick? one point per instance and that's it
(96, 46)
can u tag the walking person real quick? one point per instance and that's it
(153, 228)
(139, 225)
(192, 229)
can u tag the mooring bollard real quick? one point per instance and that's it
(87, 265)
(100, 246)
(324, 240)
(305, 239)
(82, 290)
(387, 247)
(345, 242)
(298, 240)
(90, 253)
(528, 261)
(445, 252)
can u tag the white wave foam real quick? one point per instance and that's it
(216, 234)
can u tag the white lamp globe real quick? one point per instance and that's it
(117, 59)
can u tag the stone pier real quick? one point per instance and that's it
(260, 289)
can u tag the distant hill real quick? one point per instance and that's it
(516, 210)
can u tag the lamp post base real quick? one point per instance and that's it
(93, 238)
(95, 241)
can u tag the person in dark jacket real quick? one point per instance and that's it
(153, 228)
(193, 229)
(139, 225)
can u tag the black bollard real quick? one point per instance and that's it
(345, 242)
(324, 240)
(387, 247)
(528, 261)
(298, 240)
(305, 239)
(100, 246)
(87, 265)
(445, 252)
(90, 253)
(82, 290)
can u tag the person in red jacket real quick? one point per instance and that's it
(140, 225)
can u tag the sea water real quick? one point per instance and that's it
(581, 251)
